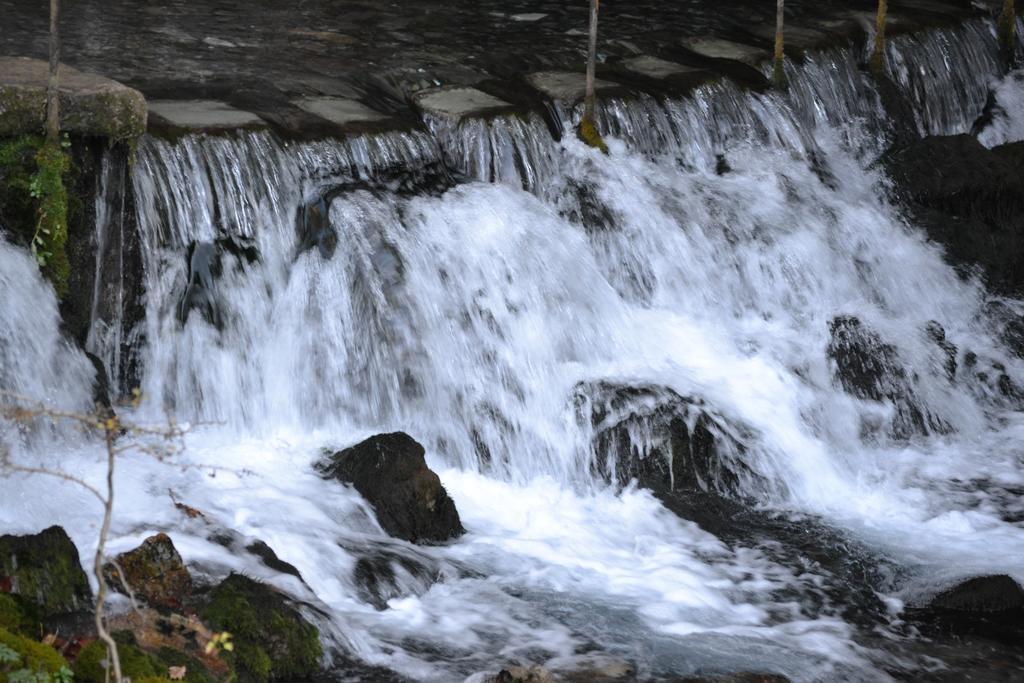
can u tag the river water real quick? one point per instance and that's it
(472, 285)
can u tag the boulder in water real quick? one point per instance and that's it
(44, 568)
(969, 199)
(665, 441)
(154, 572)
(390, 472)
(206, 264)
(988, 606)
(870, 369)
(271, 639)
(382, 575)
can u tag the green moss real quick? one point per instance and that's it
(44, 569)
(271, 640)
(136, 664)
(587, 132)
(35, 656)
(18, 615)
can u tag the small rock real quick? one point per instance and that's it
(154, 571)
(390, 472)
(45, 569)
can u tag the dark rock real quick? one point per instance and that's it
(271, 560)
(981, 594)
(1009, 325)
(390, 472)
(937, 334)
(383, 575)
(45, 569)
(315, 229)
(154, 572)
(665, 441)
(969, 199)
(271, 639)
(990, 607)
(100, 388)
(870, 369)
(206, 264)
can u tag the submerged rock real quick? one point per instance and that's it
(742, 677)
(45, 569)
(271, 639)
(969, 199)
(390, 472)
(665, 441)
(207, 262)
(154, 572)
(870, 369)
(382, 574)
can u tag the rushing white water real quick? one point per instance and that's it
(707, 254)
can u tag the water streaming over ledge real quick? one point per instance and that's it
(307, 295)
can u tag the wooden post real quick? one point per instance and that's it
(878, 54)
(587, 131)
(53, 84)
(779, 72)
(1008, 32)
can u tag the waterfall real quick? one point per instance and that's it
(510, 300)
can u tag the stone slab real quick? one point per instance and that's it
(719, 48)
(339, 110)
(204, 115)
(89, 104)
(458, 102)
(653, 67)
(565, 86)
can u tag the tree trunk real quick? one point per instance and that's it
(589, 101)
(52, 93)
(878, 54)
(779, 73)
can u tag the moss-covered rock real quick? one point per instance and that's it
(271, 640)
(89, 104)
(45, 569)
(35, 656)
(154, 571)
(18, 615)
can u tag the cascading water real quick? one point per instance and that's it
(302, 296)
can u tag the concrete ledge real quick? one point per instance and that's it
(340, 110)
(719, 48)
(201, 116)
(567, 86)
(459, 102)
(89, 104)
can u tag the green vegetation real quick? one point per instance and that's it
(34, 200)
(271, 640)
(90, 665)
(23, 660)
(18, 615)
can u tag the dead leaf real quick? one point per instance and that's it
(177, 673)
(50, 639)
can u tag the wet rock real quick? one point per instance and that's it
(948, 350)
(154, 572)
(45, 569)
(383, 575)
(314, 227)
(981, 594)
(870, 369)
(988, 606)
(1009, 325)
(271, 639)
(969, 199)
(207, 262)
(522, 674)
(100, 388)
(271, 560)
(668, 442)
(390, 472)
